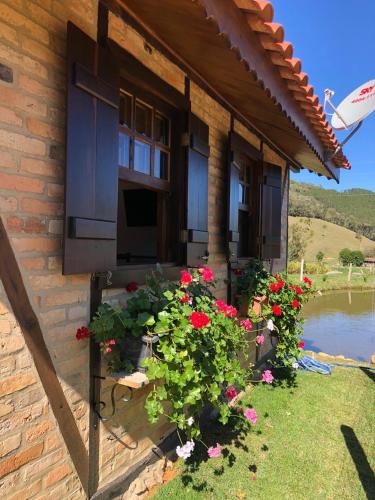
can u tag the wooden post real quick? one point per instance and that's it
(302, 266)
(350, 272)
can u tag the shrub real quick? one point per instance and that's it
(354, 257)
(319, 256)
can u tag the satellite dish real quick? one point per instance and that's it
(355, 107)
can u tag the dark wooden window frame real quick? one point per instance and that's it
(153, 91)
(240, 145)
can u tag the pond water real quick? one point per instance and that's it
(341, 322)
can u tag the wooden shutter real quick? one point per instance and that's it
(198, 152)
(271, 212)
(233, 180)
(91, 156)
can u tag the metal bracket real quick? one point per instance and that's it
(99, 406)
(328, 155)
(107, 275)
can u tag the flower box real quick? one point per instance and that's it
(257, 304)
(136, 349)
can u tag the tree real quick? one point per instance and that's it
(298, 238)
(345, 256)
(319, 256)
(357, 258)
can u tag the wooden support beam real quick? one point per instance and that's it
(23, 311)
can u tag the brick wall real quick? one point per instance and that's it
(33, 458)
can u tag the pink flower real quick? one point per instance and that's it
(207, 274)
(132, 287)
(186, 278)
(112, 342)
(230, 312)
(214, 451)
(199, 320)
(231, 392)
(82, 333)
(251, 414)
(108, 349)
(246, 324)
(259, 339)
(267, 377)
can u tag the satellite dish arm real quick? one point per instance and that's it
(329, 154)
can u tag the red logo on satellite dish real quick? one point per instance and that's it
(367, 90)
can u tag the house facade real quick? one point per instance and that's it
(132, 133)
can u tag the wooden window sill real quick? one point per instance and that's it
(136, 380)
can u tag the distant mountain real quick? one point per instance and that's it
(353, 209)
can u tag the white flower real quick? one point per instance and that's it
(295, 365)
(270, 325)
(186, 450)
(190, 421)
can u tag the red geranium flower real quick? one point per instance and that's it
(186, 278)
(296, 303)
(82, 333)
(280, 283)
(199, 320)
(207, 273)
(298, 290)
(273, 287)
(185, 298)
(231, 392)
(237, 272)
(277, 310)
(132, 287)
(229, 311)
(301, 344)
(307, 281)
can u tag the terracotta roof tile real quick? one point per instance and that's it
(259, 16)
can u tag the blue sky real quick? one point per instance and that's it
(336, 43)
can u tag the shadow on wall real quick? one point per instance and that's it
(365, 473)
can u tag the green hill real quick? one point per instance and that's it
(353, 209)
(329, 238)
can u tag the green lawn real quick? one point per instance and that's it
(340, 281)
(313, 441)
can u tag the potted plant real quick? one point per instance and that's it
(251, 282)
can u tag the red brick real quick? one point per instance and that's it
(21, 143)
(52, 442)
(16, 461)
(12, 98)
(7, 160)
(55, 226)
(5, 326)
(42, 52)
(35, 206)
(55, 190)
(40, 90)
(11, 344)
(44, 18)
(8, 33)
(6, 407)
(33, 263)
(38, 430)
(8, 204)
(14, 223)
(21, 183)
(34, 225)
(28, 492)
(9, 117)
(68, 297)
(7, 366)
(40, 167)
(36, 244)
(54, 317)
(44, 129)
(9, 444)
(80, 279)
(57, 474)
(16, 383)
(55, 263)
(42, 282)
(15, 58)
(13, 18)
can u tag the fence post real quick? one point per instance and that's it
(302, 266)
(350, 272)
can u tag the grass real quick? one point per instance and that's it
(313, 441)
(340, 281)
(330, 238)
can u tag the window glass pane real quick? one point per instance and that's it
(241, 193)
(124, 150)
(126, 110)
(142, 157)
(161, 129)
(143, 119)
(161, 164)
